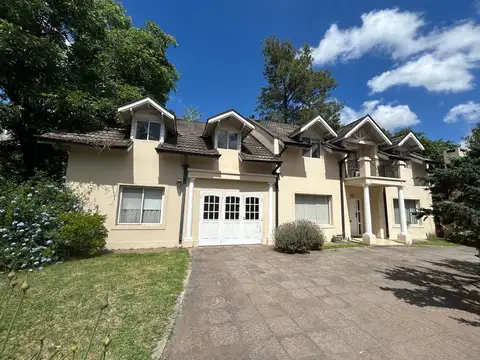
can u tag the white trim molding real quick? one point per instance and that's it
(375, 126)
(318, 119)
(145, 101)
(227, 115)
(414, 138)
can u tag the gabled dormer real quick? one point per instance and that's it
(364, 131)
(148, 120)
(227, 130)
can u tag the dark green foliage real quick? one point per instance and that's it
(295, 93)
(31, 218)
(457, 191)
(81, 235)
(300, 236)
(69, 64)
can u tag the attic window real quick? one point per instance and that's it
(314, 151)
(147, 130)
(227, 140)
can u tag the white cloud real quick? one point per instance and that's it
(449, 75)
(389, 116)
(401, 36)
(468, 112)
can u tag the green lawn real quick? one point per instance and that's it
(63, 302)
(340, 245)
(434, 242)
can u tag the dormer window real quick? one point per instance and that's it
(227, 140)
(314, 151)
(147, 130)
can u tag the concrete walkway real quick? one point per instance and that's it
(249, 302)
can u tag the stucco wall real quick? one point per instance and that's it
(100, 175)
(323, 179)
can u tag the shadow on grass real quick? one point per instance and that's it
(448, 283)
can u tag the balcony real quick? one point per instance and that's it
(384, 168)
(374, 172)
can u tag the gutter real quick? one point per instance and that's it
(184, 191)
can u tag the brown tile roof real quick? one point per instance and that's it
(278, 129)
(108, 137)
(253, 150)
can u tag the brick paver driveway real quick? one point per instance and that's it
(249, 302)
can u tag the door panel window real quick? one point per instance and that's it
(252, 208)
(211, 207)
(232, 208)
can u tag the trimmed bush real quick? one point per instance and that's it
(81, 235)
(300, 236)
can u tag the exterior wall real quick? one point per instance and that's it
(323, 179)
(100, 173)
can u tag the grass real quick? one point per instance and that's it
(340, 246)
(434, 242)
(63, 303)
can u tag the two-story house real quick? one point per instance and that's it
(165, 182)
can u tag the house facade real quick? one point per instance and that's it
(166, 182)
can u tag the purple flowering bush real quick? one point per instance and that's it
(30, 221)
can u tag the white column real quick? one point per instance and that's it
(367, 213)
(270, 211)
(188, 230)
(401, 208)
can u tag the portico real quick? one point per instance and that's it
(367, 208)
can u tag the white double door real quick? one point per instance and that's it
(230, 218)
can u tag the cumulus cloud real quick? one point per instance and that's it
(468, 112)
(401, 36)
(389, 116)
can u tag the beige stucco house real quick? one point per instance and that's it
(166, 182)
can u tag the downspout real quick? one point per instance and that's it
(184, 191)
(275, 172)
(342, 194)
(387, 228)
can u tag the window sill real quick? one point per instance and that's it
(138, 227)
(326, 226)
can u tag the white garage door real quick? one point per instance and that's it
(230, 218)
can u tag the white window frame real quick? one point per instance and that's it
(120, 199)
(134, 130)
(417, 203)
(330, 214)
(239, 139)
(308, 140)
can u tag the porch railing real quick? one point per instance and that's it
(352, 169)
(384, 168)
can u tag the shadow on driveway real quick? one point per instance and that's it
(447, 283)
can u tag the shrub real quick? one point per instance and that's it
(81, 235)
(30, 218)
(298, 236)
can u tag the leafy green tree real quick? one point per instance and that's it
(433, 148)
(457, 190)
(191, 113)
(295, 92)
(68, 64)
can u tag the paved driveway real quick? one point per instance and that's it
(249, 302)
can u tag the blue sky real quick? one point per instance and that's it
(415, 63)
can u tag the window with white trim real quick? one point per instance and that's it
(315, 208)
(147, 130)
(411, 206)
(227, 140)
(140, 205)
(314, 151)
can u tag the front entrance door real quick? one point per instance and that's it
(355, 212)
